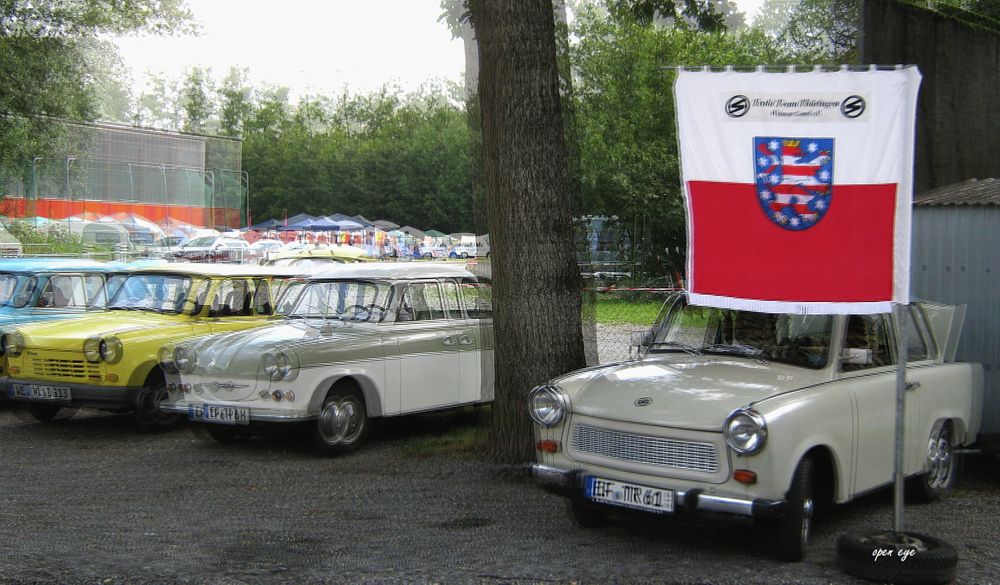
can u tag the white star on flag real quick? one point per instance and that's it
(774, 145)
(794, 221)
(819, 205)
(765, 195)
(824, 175)
(774, 179)
(812, 147)
(762, 161)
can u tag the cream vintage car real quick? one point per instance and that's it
(110, 359)
(357, 341)
(762, 416)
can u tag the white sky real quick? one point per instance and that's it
(313, 46)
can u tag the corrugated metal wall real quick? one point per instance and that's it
(956, 259)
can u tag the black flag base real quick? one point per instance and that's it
(902, 558)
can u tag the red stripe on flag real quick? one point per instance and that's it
(737, 251)
(791, 189)
(800, 170)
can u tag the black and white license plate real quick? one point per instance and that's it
(629, 495)
(213, 413)
(39, 392)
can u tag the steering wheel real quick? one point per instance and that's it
(357, 311)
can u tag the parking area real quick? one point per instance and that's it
(90, 500)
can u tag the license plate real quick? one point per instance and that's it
(38, 392)
(629, 495)
(227, 415)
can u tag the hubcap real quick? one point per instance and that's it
(340, 422)
(939, 462)
(807, 511)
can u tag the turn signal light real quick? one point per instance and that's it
(745, 476)
(112, 377)
(548, 446)
(15, 370)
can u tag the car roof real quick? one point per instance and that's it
(62, 264)
(208, 269)
(395, 270)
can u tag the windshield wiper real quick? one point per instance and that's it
(735, 349)
(675, 345)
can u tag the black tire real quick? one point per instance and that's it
(44, 412)
(586, 515)
(147, 414)
(931, 561)
(942, 467)
(225, 434)
(791, 532)
(342, 425)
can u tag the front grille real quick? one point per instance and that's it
(643, 449)
(47, 368)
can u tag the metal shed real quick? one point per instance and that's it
(956, 259)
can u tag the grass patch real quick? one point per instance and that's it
(618, 311)
(460, 433)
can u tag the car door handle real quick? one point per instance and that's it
(466, 340)
(912, 385)
(448, 340)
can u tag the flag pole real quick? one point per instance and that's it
(899, 473)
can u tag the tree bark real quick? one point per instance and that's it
(536, 282)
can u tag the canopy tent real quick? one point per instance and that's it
(384, 224)
(140, 229)
(349, 225)
(87, 215)
(269, 224)
(413, 232)
(9, 245)
(297, 218)
(362, 220)
(435, 234)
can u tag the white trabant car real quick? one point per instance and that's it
(356, 342)
(765, 416)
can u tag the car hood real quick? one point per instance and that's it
(696, 392)
(58, 332)
(238, 353)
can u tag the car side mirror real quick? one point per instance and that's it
(857, 356)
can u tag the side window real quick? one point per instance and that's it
(232, 299)
(27, 292)
(93, 284)
(201, 288)
(919, 343)
(866, 343)
(421, 302)
(262, 298)
(63, 291)
(451, 300)
(478, 299)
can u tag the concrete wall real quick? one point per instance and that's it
(958, 113)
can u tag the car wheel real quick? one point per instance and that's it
(900, 558)
(586, 515)
(791, 532)
(44, 412)
(225, 434)
(147, 414)
(342, 424)
(939, 478)
(465, 255)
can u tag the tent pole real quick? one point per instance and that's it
(899, 474)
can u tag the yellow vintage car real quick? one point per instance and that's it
(110, 359)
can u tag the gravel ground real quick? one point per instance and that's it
(90, 500)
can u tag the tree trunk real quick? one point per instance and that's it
(536, 282)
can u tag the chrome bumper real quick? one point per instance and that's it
(570, 482)
(256, 415)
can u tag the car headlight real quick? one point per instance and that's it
(185, 359)
(110, 349)
(746, 431)
(279, 365)
(547, 405)
(92, 349)
(12, 344)
(166, 359)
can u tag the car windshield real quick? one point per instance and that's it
(800, 340)
(159, 293)
(8, 282)
(347, 300)
(200, 242)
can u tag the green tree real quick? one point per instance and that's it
(625, 116)
(44, 72)
(235, 105)
(196, 100)
(814, 30)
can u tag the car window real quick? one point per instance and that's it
(27, 291)
(63, 291)
(451, 304)
(161, 293)
(262, 297)
(478, 298)
(342, 300)
(232, 299)
(919, 342)
(867, 339)
(8, 282)
(421, 301)
(94, 284)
